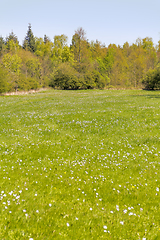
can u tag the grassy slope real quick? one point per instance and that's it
(75, 162)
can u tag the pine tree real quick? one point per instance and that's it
(29, 42)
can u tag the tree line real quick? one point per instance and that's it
(41, 62)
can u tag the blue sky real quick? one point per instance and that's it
(109, 21)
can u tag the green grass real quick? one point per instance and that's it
(80, 165)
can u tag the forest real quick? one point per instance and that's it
(42, 62)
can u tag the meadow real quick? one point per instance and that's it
(80, 165)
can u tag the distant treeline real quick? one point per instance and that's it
(40, 62)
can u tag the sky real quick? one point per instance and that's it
(108, 21)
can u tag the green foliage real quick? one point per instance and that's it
(33, 68)
(2, 45)
(12, 46)
(89, 82)
(4, 85)
(147, 44)
(93, 79)
(28, 83)
(12, 63)
(29, 42)
(43, 47)
(12, 43)
(80, 46)
(100, 81)
(67, 55)
(91, 64)
(151, 80)
(65, 77)
(109, 59)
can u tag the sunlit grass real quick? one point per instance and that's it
(80, 165)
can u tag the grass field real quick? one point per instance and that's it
(80, 165)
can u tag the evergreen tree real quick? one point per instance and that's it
(12, 43)
(29, 42)
(46, 39)
(13, 37)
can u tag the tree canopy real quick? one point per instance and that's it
(42, 62)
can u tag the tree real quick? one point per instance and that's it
(67, 55)
(97, 49)
(12, 43)
(126, 49)
(12, 63)
(137, 65)
(147, 44)
(4, 80)
(60, 42)
(46, 39)
(34, 68)
(77, 40)
(2, 45)
(118, 68)
(29, 42)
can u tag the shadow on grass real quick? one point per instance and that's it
(153, 95)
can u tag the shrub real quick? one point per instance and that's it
(66, 77)
(100, 80)
(5, 81)
(27, 83)
(151, 80)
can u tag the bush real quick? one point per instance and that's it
(5, 81)
(66, 77)
(152, 79)
(27, 83)
(89, 82)
(100, 80)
